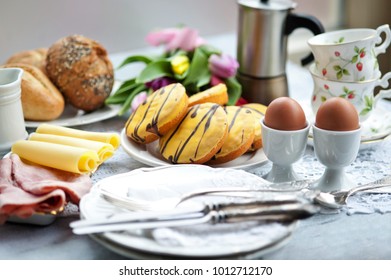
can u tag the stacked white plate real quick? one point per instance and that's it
(245, 240)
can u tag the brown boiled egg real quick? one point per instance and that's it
(337, 114)
(284, 113)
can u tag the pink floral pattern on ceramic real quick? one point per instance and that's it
(350, 54)
(341, 65)
(360, 94)
(364, 107)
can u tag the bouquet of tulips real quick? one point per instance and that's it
(187, 59)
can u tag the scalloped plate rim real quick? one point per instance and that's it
(148, 155)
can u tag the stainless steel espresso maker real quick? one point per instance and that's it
(263, 32)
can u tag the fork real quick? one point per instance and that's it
(330, 200)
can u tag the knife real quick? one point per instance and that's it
(253, 210)
(181, 211)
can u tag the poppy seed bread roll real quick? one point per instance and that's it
(81, 69)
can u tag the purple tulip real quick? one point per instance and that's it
(223, 66)
(159, 83)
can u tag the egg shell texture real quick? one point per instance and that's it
(337, 114)
(285, 113)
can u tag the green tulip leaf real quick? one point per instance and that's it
(198, 70)
(129, 99)
(234, 90)
(120, 95)
(136, 58)
(182, 76)
(154, 70)
(209, 50)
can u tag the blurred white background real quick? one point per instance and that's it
(121, 25)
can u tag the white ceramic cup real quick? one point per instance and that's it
(349, 54)
(360, 94)
(283, 148)
(335, 150)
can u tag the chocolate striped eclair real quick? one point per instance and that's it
(162, 110)
(240, 134)
(198, 136)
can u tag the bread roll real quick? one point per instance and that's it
(81, 70)
(41, 100)
(35, 58)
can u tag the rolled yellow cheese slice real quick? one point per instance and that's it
(103, 150)
(105, 137)
(67, 158)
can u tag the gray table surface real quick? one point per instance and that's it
(328, 237)
(336, 236)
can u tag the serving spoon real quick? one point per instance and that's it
(338, 199)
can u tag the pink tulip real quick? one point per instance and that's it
(241, 101)
(176, 38)
(214, 81)
(223, 66)
(138, 100)
(163, 36)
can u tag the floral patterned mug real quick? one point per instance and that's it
(360, 94)
(349, 55)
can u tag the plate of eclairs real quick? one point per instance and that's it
(171, 127)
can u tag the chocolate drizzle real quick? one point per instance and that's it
(232, 123)
(152, 125)
(206, 119)
(134, 135)
(257, 113)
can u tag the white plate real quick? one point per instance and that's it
(139, 255)
(149, 154)
(74, 117)
(376, 128)
(201, 241)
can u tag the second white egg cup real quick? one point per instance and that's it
(283, 148)
(335, 150)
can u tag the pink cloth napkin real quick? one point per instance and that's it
(27, 189)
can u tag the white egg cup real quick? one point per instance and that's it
(283, 148)
(335, 150)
